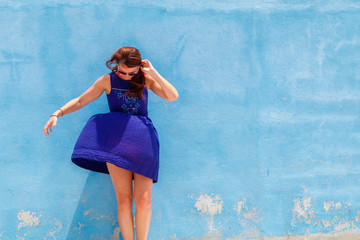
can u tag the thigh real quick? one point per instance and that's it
(122, 180)
(142, 187)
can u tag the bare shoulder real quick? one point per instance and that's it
(105, 82)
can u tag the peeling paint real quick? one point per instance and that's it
(316, 236)
(343, 225)
(248, 219)
(327, 205)
(97, 236)
(240, 205)
(28, 219)
(358, 216)
(337, 205)
(94, 214)
(78, 229)
(303, 209)
(209, 205)
(336, 218)
(206, 236)
(116, 234)
(249, 212)
(173, 237)
(326, 223)
(55, 230)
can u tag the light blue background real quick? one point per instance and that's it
(263, 140)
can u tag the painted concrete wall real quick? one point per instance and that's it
(263, 141)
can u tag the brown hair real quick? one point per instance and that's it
(131, 57)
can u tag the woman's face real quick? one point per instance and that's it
(127, 73)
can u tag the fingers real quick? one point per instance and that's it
(145, 61)
(48, 125)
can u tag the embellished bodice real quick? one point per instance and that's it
(120, 102)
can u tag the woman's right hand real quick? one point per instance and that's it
(52, 122)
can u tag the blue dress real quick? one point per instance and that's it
(125, 136)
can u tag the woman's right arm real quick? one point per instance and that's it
(75, 104)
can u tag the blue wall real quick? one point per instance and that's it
(262, 142)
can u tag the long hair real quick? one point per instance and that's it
(131, 57)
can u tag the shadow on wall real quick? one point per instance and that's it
(96, 213)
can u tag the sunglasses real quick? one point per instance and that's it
(130, 74)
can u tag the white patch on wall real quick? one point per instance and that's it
(248, 218)
(55, 226)
(116, 234)
(357, 219)
(342, 226)
(302, 210)
(326, 223)
(327, 205)
(339, 212)
(336, 206)
(314, 236)
(336, 217)
(94, 214)
(28, 219)
(209, 205)
(248, 212)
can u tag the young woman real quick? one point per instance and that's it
(123, 143)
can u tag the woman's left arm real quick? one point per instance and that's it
(159, 85)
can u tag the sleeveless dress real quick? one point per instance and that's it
(125, 137)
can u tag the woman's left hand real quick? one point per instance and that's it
(146, 66)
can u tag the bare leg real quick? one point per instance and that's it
(122, 181)
(142, 195)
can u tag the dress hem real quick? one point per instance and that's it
(83, 161)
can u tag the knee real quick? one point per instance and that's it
(143, 200)
(124, 202)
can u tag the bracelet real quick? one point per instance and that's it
(54, 115)
(62, 112)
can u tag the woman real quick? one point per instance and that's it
(123, 143)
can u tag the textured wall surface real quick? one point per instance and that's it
(263, 142)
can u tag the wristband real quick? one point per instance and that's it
(54, 115)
